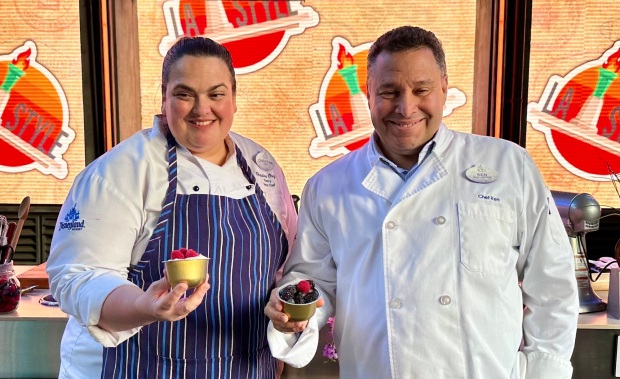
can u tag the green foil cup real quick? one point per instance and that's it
(298, 312)
(191, 271)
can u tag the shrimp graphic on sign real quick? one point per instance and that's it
(341, 117)
(580, 114)
(255, 32)
(34, 116)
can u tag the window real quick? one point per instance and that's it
(574, 96)
(301, 67)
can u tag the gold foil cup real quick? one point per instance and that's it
(298, 312)
(191, 271)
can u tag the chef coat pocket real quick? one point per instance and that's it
(486, 232)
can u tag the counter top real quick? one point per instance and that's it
(29, 308)
(34, 332)
(598, 320)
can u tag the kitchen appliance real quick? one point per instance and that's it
(580, 214)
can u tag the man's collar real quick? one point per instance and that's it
(380, 156)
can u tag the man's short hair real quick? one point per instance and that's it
(407, 38)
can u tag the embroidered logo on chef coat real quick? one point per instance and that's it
(481, 174)
(72, 220)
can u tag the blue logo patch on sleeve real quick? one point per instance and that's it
(72, 220)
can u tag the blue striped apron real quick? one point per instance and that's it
(226, 336)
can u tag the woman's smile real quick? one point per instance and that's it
(202, 123)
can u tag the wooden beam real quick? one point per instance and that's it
(125, 69)
(515, 68)
(486, 85)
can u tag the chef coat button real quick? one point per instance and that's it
(440, 220)
(445, 300)
(390, 225)
(248, 187)
(395, 303)
(196, 188)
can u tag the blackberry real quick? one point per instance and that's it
(311, 296)
(299, 298)
(287, 293)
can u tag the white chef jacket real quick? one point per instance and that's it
(423, 276)
(109, 216)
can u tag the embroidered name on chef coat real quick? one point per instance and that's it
(488, 197)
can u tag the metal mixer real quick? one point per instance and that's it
(580, 214)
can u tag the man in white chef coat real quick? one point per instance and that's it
(426, 243)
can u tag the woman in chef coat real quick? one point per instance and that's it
(187, 182)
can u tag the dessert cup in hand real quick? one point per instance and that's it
(298, 312)
(191, 271)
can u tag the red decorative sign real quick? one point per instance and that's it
(34, 116)
(580, 117)
(255, 32)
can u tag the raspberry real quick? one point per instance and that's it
(183, 251)
(177, 255)
(304, 286)
(191, 253)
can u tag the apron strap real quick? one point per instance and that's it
(172, 172)
(247, 171)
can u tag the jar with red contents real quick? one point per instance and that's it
(10, 289)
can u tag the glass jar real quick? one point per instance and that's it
(10, 289)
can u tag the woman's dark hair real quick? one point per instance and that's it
(195, 47)
(407, 38)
